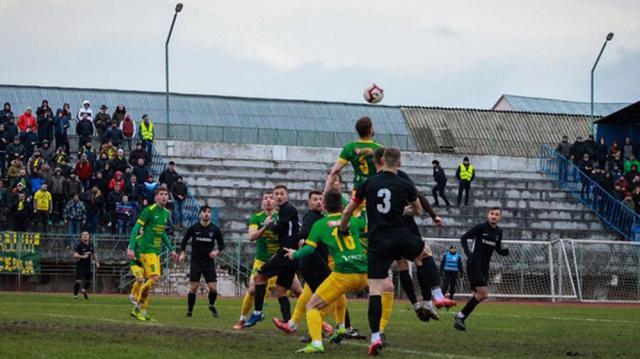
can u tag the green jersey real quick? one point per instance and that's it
(136, 252)
(267, 245)
(346, 250)
(360, 155)
(153, 221)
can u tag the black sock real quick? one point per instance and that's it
(423, 281)
(87, 284)
(258, 296)
(469, 307)
(407, 286)
(285, 308)
(191, 301)
(347, 319)
(433, 272)
(375, 312)
(76, 288)
(213, 295)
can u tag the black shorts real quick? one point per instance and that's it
(388, 246)
(314, 276)
(282, 267)
(477, 276)
(83, 273)
(206, 270)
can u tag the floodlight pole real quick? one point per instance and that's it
(166, 67)
(593, 69)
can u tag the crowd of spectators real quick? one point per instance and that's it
(615, 168)
(102, 187)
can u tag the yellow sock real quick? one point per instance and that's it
(135, 289)
(340, 310)
(314, 323)
(145, 293)
(301, 304)
(247, 303)
(387, 306)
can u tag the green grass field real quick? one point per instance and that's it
(55, 326)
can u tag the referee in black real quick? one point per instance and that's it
(83, 254)
(286, 228)
(486, 237)
(389, 197)
(205, 236)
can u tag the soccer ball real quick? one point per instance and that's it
(373, 93)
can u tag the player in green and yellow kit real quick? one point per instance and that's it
(266, 246)
(137, 270)
(152, 222)
(349, 275)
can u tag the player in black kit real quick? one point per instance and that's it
(286, 228)
(486, 237)
(83, 254)
(389, 197)
(207, 245)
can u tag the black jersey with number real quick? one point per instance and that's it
(83, 249)
(387, 195)
(486, 239)
(204, 239)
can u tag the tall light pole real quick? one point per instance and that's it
(166, 67)
(593, 69)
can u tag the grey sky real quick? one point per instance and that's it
(432, 53)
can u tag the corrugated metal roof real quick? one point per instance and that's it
(553, 106)
(216, 110)
(504, 133)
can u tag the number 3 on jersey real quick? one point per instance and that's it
(385, 195)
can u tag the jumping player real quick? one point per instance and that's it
(206, 246)
(486, 237)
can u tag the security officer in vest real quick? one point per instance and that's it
(465, 174)
(450, 265)
(146, 134)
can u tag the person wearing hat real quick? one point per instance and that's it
(146, 134)
(102, 122)
(85, 109)
(56, 186)
(46, 125)
(128, 128)
(441, 183)
(27, 120)
(46, 151)
(465, 175)
(450, 266)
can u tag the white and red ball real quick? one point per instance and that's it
(373, 93)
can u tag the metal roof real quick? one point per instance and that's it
(210, 110)
(504, 133)
(553, 106)
(628, 116)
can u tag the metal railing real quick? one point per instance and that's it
(618, 216)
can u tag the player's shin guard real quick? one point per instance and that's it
(76, 288)
(423, 281)
(285, 308)
(191, 301)
(314, 322)
(258, 297)
(387, 307)
(213, 295)
(145, 293)
(247, 303)
(469, 307)
(375, 312)
(407, 285)
(301, 304)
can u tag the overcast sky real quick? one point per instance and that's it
(431, 53)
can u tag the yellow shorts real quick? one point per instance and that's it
(338, 284)
(137, 271)
(150, 263)
(257, 264)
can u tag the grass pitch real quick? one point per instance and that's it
(55, 326)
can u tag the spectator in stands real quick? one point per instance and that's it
(169, 175)
(4, 141)
(72, 186)
(179, 191)
(578, 149)
(114, 134)
(149, 189)
(133, 189)
(84, 130)
(139, 153)
(629, 163)
(56, 184)
(62, 122)
(140, 171)
(124, 216)
(465, 175)
(621, 184)
(75, 215)
(119, 114)
(14, 170)
(11, 128)
(615, 155)
(85, 109)
(109, 149)
(59, 157)
(602, 154)
(99, 181)
(564, 149)
(21, 213)
(46, 151)
(66, 169)
(27, 120)
(632, 173)
(29, 140)
(45, 172)
(128, 128)
(119, 163)
(84, 171)
(35, 163)
(35, 182)
(6, 114)
(16, 150)
(42, 207)
(627, 149)
(628, 201)
(586, 168)
(102, 121)
(94, 202)
(101, 162)
(591, 148)
(441, 183)
(24, 179)
(44, 109)
(113, 198)
(46, 127)
(607, 182)
(117, 180)
(90, 151)
(147, 134)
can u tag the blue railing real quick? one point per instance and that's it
(612, 211)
